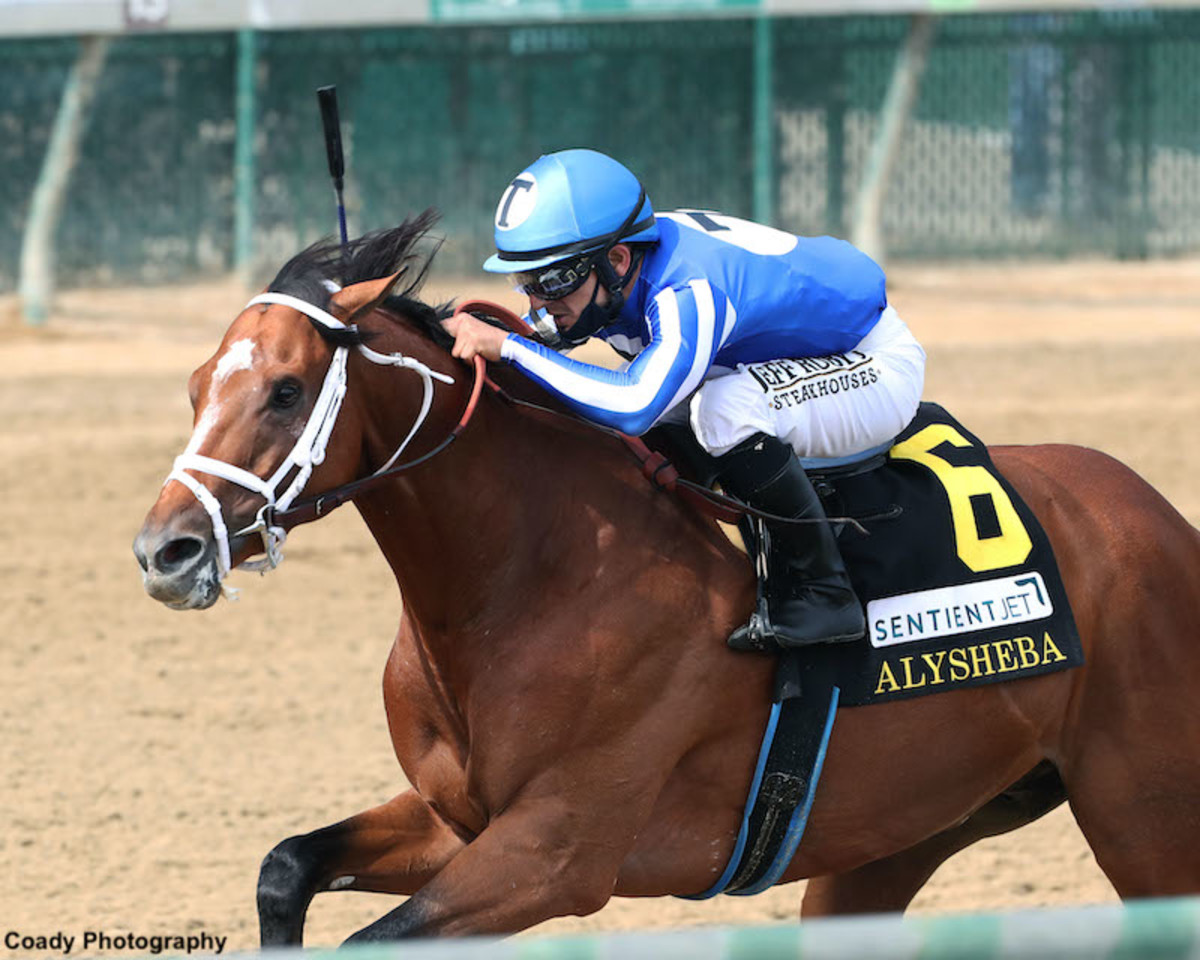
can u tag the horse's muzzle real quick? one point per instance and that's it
(178, 569)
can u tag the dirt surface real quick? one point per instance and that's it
(148, 759)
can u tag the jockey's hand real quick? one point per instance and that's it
(473, 337)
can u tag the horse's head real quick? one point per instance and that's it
(265, 407)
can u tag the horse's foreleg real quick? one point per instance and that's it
(393, 848)
(889, 885)
(529, 865)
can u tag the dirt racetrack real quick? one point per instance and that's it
(148, 759)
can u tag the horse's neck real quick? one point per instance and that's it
(475, 532)
(523, 510)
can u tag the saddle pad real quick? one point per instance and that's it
(960, 583)
(961, 589)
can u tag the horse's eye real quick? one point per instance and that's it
(285, 394)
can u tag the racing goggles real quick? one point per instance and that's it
(558, 280)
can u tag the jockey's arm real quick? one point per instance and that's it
(682, 323)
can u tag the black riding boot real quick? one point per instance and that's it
(807, 597)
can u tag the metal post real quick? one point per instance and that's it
(36, 284)
(764, 116)
(1135, 220)
(893, 118)
(1145, 145)
(1066, 227)
(1127, 228)
(243, 157)
(835, 137)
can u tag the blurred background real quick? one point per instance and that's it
(997, 130)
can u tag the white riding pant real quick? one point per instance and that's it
(833, 406)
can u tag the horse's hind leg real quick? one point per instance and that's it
(1135, 800)
(1131, 747)
(889, 885)
(393, 848)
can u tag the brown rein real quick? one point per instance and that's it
(656, 467)
(313, 508)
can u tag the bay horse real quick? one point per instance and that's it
(559, 693)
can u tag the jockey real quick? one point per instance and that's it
(771, 346)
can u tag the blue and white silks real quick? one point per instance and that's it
(715, 291)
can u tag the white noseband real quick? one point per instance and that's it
(307, 453)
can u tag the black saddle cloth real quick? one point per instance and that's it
(958, 578)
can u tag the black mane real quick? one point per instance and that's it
(373, 255)
(380, 254)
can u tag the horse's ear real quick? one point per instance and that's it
(363, 297)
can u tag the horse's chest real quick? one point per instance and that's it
(444, 788)
(433, 752)
(435, 765)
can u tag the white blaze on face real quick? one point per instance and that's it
(239, 356)
(203, 425)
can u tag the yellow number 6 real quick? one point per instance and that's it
(1012, 545)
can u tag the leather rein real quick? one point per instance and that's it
(283, 508)
(315, 507)
(655, 466)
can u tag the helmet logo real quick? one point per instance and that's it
(517, 203)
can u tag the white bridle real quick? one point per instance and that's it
(308, 452)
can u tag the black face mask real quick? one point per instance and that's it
(595, 317)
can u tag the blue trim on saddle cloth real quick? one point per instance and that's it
(829, 463)
(744, 833)
(799, 821)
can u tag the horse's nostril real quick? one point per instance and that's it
(177, 553)
(141, 555)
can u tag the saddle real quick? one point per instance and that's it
(959, 580)
(957, 577)
(960, 587)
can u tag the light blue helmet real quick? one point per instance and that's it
(568, 203)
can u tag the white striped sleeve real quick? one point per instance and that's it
(682, 322)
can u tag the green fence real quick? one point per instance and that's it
(1034, 135)
(1140, 930)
